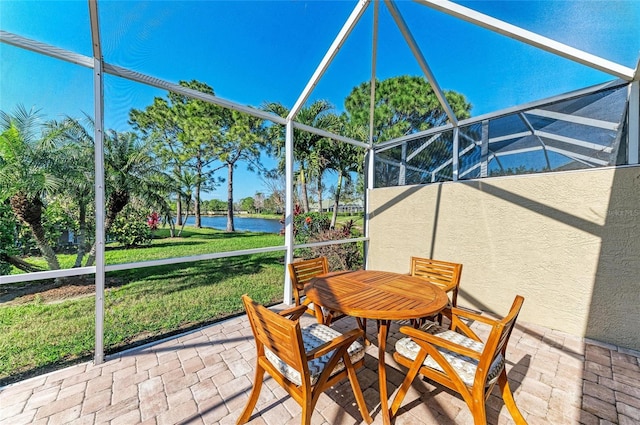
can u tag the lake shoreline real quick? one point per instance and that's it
(242, 223)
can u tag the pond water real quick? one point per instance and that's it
(242, 224)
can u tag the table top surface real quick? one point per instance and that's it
(376, 295)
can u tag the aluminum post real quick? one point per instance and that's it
(634, 122)
(98, 93)
(288, 219)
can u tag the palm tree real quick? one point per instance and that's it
(318, 165)
(310, 158)
(159, 199)
(345, 159)
(26, 172)
(131, 171)
(77, 165)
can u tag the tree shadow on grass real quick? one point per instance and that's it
(166, 243)
(186, 275)
(52, 291)
(200, 273)
(220, 234)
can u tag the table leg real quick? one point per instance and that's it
(383, 330)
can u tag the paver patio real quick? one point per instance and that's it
(205, 377)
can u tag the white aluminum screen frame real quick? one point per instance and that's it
(97, 64)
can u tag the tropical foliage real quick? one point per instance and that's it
(405, 105)
(316, 227)
(155, 175)
(8, 236)
(131, 230)
(27, 173)
(172, 155)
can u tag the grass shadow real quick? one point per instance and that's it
(199, 273)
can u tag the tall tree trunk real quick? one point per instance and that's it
(82, 231)
(116, 203)
(320, 194)
(303, 190)
(43, 245)
(179, 210)
(29, 211)
(230, 226)
(186, 216)
(197, 194)
(178, 172)
(197, 206)
(336, 202)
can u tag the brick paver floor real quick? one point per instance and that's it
(205, 377)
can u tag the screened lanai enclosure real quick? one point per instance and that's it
(517, 155)
(583, 131)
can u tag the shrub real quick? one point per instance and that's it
(315, 227)
(346, 256)
(131, 231)
(7, 237)
(308, 225)
(55, 222)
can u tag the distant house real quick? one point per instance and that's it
(354, 207)
(67, 242)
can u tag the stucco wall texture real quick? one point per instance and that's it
(568, 242)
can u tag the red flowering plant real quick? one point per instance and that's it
(153, 220)
(296, 212)
(309, 225)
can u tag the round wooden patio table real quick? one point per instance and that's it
(378, 295)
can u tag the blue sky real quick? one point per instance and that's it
(256, 51)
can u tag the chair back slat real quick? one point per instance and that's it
(302, 272)
(278, 334)
(500, 333)
(438, 272)
(442, 273)
(508, 323)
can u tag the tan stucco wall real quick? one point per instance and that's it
(568, 242)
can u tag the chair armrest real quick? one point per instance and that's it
(467, 315)
(417, 334)
(344, 339)
(456, 314)
(295, 312)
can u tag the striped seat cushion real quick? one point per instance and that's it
(464, 366)
(313, 336)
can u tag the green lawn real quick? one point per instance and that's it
(141, 304)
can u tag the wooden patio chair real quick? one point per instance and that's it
(459, 360)
(444, 274)
(302, 272)
(304, 361)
